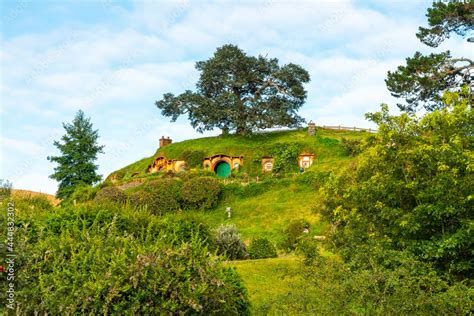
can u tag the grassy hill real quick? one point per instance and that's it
(325, 145)
(30, 194)
(263, 208)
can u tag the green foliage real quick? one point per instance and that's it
(229, 244)
(193, 158)
(285, 156)
(312, 178)
(261, 248)
(161, 196)
(5, 189)
(201, 193)
(308, 248)
(329, 155)
(412, 190)
(83, 193)
(293, 233)
(332, 287)
(110, 195)
(425, 77)
(326, 141)
(79, 151)
(445, 18)
(241, 93)
(104, 261)
(352, 147)
(183, 227)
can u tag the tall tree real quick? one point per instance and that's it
(411, 189)
(423, 79)
(240, 93)
(79, 151)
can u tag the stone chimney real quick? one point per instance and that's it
(311, 128)
(165, 141)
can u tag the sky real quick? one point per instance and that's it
(113, 59)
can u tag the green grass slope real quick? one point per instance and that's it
(325, 145)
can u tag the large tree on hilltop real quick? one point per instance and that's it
(423, 79)
(79, 150)
(240, 93)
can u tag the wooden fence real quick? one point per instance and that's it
(346, 128)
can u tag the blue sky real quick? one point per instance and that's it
(113, 59)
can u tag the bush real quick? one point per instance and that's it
(293, 233)
(352, 147)
(332, 287)
(183, 227)
(83, 193)
(160, 196)
(5, 189)
(193, 158)
(201, 193)
(261, 248)
(313, 178)
(114, 270)
(229, 244)
(285, 156)
(110, 195)
(309, 249)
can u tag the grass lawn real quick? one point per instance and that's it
(266, 279)
(268, 213)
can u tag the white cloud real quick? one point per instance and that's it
(116, 71)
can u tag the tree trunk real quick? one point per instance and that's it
(241, 115)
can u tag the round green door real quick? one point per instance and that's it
(222, 169)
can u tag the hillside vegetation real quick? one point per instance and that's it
(330, 155)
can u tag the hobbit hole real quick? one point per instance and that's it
(222, 169)
(305, 160)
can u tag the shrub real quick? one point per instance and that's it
(5, 189)
(285, 156)
(160, 196)
(110, 195)
(115, 270)
(332, 287)
(352, 147)
(313, 178)
(83, 193)
(261, 248)
(193, 158)
(308, 247)
(293, 233)
(229, 244)
(201, 193)
(183, 227)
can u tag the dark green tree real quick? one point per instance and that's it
(240, 93)
(424, 78)
(79, 151)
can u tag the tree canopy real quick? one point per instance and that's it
(79, 151)
(241, 93)
(411, 189)
(424, 78)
